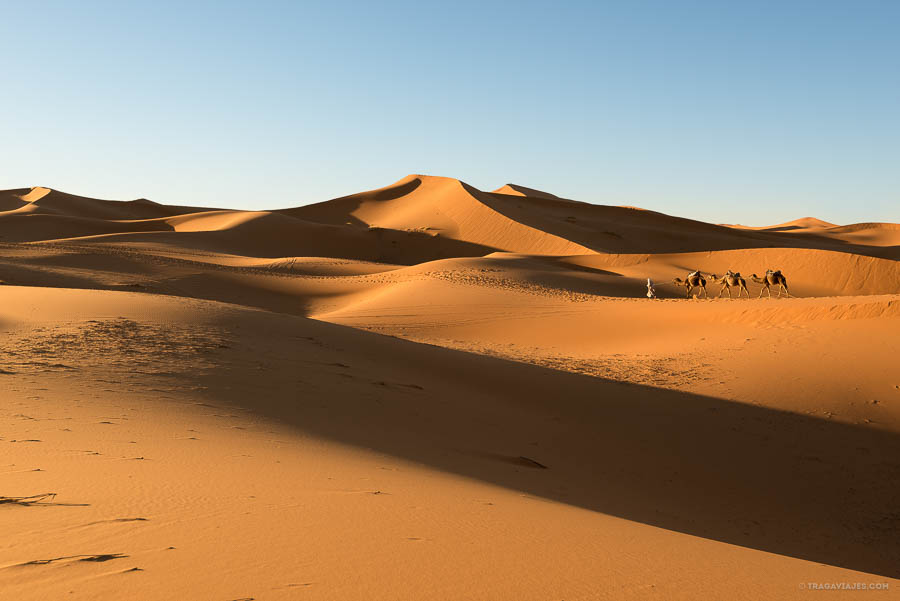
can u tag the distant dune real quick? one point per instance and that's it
(439, 206)
(428, 391)
(423, 218)
(804, 223)
(516, 190)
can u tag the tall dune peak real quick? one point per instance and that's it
(517, 190)
(36, 193)
(808, 223)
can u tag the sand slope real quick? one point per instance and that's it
(439, 206)
(858, 234)
(432, 392)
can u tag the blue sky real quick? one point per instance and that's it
(749, 112)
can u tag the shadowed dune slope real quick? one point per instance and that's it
(10, 200)
(615, 229)
(52, 202)
(39, 214)
(264, 234)
(36, 227)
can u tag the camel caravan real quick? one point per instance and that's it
(731, 279)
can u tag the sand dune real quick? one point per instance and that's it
(517, 190)
(53, 202)
(804, 223)
(437, 217)
(428, 391)
(439, 206)
(860, 235)
(869, 234)
(10, 200)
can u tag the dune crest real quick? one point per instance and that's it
(36, 193)
(438, 206)
(517, 190)
(804, 223)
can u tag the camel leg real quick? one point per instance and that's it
(722, 291)
(688, 293)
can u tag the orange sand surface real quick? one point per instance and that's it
(429, 391)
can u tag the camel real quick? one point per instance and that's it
(693, 280)
(731, 280)
(772, 278)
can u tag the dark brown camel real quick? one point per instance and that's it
(731, 280)
(772, 278)
(693, 280)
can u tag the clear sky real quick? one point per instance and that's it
(752, 112)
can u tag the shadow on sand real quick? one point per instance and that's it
(741, 474)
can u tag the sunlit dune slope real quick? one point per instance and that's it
(870, 234)
(804, 223)
(517, 190)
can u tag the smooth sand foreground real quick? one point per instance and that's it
(432, 392)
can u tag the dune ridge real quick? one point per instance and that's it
(442, 217)
(440, 207)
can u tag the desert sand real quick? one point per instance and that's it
(429, 391)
